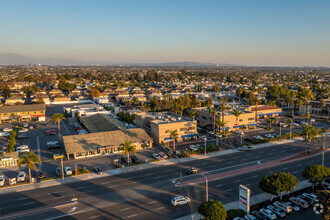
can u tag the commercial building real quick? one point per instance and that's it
(8, 159)
(104, 143)
(160, 124)
(317, 108)
(22, 113)
(263, 111)
(84, 110)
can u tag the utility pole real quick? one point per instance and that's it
(206, 188)
(280, 129)
(205, 145)
(323, 158)
(62, 167)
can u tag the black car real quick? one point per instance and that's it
(191, 171)
(124, 159)
(40, 175)
(134, 158)
(54, 146)
(259, 215)
(58, 171)
(23, 136)
(98, 170)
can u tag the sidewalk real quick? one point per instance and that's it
(253, 200)
(53, 182)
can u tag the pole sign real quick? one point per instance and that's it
(244, 198)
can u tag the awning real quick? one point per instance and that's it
(261, 115)
(226, 128)
(278, 112)
(269, 114)
(252, 124)
(238, 126)
(189, 135)
(168, 138)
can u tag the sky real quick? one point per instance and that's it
(247, 32)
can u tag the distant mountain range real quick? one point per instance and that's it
(17, 59)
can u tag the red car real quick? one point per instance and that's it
(77, 129)
(50, 131)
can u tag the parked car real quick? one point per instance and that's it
(67, 171)
(245, 148)
(53, 145)
(98, 170)
(250, 217)
(258, 137)
(135, 159)
(4, 134)
(278, 211)
(199, 146)
(268, 136)
(124, 159)
(31, 127)
(76, 125)
(163, 155)
(2, 180)
(7, 129)
(268, 213)
(293, 206)
(193, 147)
(259, 215)
(285, 207)
(23, 130)
(191, 171)
(180, 200)
(40, 175)
(23, 136)
(79, 128)
(299, 202)
(58, 171)
(312, 196)
(21, 177)
(22, 147)
(25, 125)
(294, 124)
(275, 135)
(156, 156)
(307, 199)
(57, 156)
(50, 131)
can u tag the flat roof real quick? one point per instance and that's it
(164, 117)
(100, 123)
(22, 108)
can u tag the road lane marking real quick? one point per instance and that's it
(298, 165)
(29, 203)
(95, 216)
(132, 216)
(229, 162)
(125, 209)
(219, 185)
(203, 164)
(81, 187)
(237, 181)
(285, 168)
(160, 208)
(22, 199)
(227, 190)
(129, 178)
(282, 151)
(213, 165)
(88, 191)
(152, 202)
(248, 184)
(104, 183)
(157, 177)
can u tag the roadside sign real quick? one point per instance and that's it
(244, 198)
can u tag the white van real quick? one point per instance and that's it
(285, 207)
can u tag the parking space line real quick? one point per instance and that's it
(237, 181)
(157, 177)
(160, 208)
(88, 191)
(125, 209)
(104, 183)
(132, 216)
(152, 202)
(81, 187)
(29, 203)
(22, 199)
(95, 216)
(227, 190)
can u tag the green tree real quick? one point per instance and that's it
(12, 141)
(324, 198)
(299, 103)
(174, 136)
(239, 92)
(192, 114)
(212, 210)
(29, 159)
(127, 149)
(236, 113)
(270, 121)
(290, 121)
(94, 93)
(223, 107)
(316, 173)
(57, 118)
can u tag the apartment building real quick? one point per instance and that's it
(160, 124)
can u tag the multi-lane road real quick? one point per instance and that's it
(146, 194)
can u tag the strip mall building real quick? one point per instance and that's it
(22, 113)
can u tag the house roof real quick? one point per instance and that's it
(99, 123)
(93, 141)
(22, 108)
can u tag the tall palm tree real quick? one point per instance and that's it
(299, 103)
(237, 113)
(174, 136)
(57, 118)
(213, 114)
(223, 107)
(306, 134)
(128, 148)
(192, 114)
(290, 121)
(270, 121)
(29, 159)
(239, 92)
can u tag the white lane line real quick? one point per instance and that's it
(104, 183)
(219, 185)
(29, 203)
(125, 209)
(285, 168)
(203, 164)
(229, 162)
(160, 208)
(129, 178)
(248, 184)
(227, 190)
(157, 177)
(274, 150)
(88, 191)
(112, 186)
(282, 151)
(237, 181)
(152, 202)
(95, 216)
(149, 174)
(132, 216)
(213, 165)
(81, 187)
(22, 199)
(295, 171)
(298, 165)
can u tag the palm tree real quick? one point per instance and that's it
(299, 103)
(30, 160)
(306, 134)
(58, 117)
(289, 121)
(128, 148)
(270, 121)
(237, 113)
(223, 107)
(214, 113)
(174, 136)
(192, 114)
(239, 92)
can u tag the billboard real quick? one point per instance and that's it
(244, 198)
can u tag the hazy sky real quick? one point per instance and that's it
(252, 32)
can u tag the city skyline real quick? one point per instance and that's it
(272, 33)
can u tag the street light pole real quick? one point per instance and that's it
(62, 167)
(205, 145)
(206, 187)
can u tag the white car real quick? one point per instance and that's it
(4, 134)
(249, 217)
(21, 177)
(295, 124)
(23, 130)
(180, 200)
(31, 127)
(22, 147)
(25, 125)
(67, 170)
(7, 129)
(311, 196)
(193, 148)
(52, 142)
(258, 137)
(240, 132)
(156, 156)
(278, 211)
(245, 148)
(294, 207)
(2, 180)
(285, 207)
(218, 135)
(268, 213)
(299, 202)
